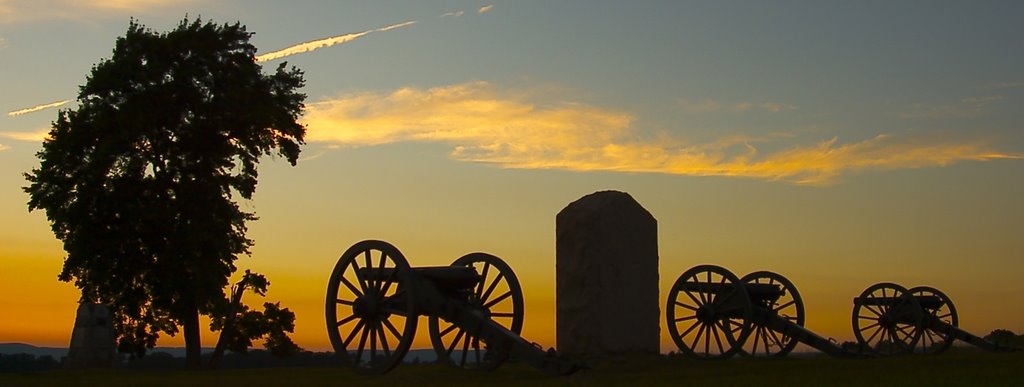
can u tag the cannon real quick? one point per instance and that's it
(474, 309)
(889, 319)
(713, 314)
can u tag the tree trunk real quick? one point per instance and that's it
(193, 343)
(229, 326)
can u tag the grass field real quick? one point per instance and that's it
(956, 367)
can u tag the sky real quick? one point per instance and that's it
(839, 144)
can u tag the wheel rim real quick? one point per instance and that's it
(708, 312)
(498, 296)
(762, 341)
(370, 319)
(937, 308)
(887, 319)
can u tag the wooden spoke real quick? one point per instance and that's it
(345, 320)
(391, 327)
(483, 279)
(384, 340)
(458, 336)
(356, 330)
(362, 344)
(498, 299)
(351, 287)
(493, 285)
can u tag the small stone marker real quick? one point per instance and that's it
(606, 269)
(92, 340)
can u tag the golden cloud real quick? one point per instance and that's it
(36, 136)
(485, 125)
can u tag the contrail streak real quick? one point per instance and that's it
(326, 42)
(296, 49)
(37, 108)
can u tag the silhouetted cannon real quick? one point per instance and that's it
(888, 319)
(475, 310)
(713, 314)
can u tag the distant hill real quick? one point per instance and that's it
(16, 348)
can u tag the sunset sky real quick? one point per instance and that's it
(839, 144)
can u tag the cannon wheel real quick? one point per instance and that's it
(704, 324)
(499, 297)
(790, 306)
(887, 319)
(371, 321)
(933, 341)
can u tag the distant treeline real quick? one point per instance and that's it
(159, 360)
(21, 362)
(1005, 338)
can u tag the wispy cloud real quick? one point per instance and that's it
(36, 108)
(4, 147)
(1007, 85)
(710, 105)
(326, 42)
(36, 136)
(967, 107)
(3, 43)
(22, 11)
(453, 14)
(508, 129)
(486, 8)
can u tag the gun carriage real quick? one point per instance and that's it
(889, 319)
(712, 314)
(474, 309)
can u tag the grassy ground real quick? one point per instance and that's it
(957, 367)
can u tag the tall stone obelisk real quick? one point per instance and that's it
(606, 269)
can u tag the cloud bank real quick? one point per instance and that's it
(507, 129)
(324, 43)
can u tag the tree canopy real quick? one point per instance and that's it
(140, 181)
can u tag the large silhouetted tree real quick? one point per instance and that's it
(140, 181)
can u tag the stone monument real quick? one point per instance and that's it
(92, 340)
(606, 277)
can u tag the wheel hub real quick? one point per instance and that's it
(706, 314)
(367, 307)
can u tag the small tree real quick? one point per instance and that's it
(1003, 337)
(139, 182)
